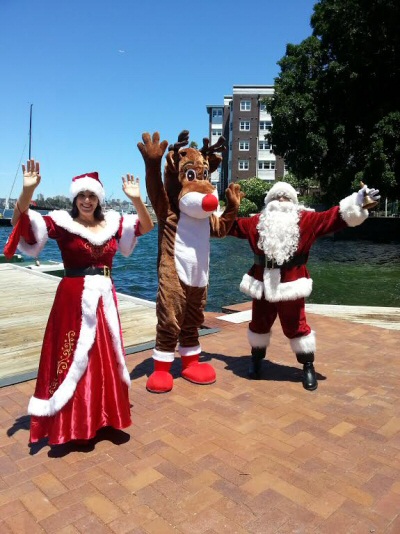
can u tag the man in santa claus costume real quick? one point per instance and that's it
(281, 237)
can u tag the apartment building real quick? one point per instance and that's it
(244, 122)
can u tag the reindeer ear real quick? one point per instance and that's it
(172, 161)
(213, 162)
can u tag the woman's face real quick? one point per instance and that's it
(86, 202)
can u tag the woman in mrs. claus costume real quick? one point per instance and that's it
(82, 382)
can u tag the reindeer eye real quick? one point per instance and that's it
(205, 173)
(190, 175)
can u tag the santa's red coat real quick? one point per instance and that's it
(293, 282)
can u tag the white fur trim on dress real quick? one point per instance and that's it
(112, 219)
(304, 344)
(95, 287)
(258, 341)
(39, 230)
(273, 290)
(161, 356)
(351, 212)
(128, 238)
(189, 351)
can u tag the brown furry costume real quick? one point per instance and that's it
(185, 206)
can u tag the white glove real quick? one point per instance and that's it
(372, 193)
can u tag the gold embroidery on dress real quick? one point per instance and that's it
(96, 251)
(62, 365)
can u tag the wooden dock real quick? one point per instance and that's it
(26, 300)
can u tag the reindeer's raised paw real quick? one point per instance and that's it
(151, 148)
(234, 195)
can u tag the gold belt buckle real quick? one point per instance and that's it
(107, 271)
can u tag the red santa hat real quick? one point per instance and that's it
(281, 189)
(87, 182)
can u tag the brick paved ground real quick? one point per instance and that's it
(237, 456)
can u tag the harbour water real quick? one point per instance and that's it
(359, 272)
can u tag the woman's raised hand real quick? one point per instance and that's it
(130, 186)
(31, 174)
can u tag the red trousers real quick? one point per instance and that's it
(291, 315)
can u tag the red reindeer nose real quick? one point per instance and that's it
(209, 203)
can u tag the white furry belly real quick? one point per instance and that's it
(192, 250)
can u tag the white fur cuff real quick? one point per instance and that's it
(128, 238)
(304, 344)
(258, 340)
(39, 230)
(161, 356)
(189, 351)
(351, 212)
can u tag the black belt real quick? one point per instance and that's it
(72, 273)
(300, 259)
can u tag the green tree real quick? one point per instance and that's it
(336, 102)
(247, 208)
(255, 190)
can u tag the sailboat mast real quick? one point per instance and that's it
(30, 132)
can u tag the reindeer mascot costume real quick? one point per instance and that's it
(184, 204)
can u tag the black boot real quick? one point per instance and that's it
(309, 377)
(257, 356)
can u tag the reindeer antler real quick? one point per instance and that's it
(219, 146)
(183, 139)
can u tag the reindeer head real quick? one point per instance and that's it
(189, 169)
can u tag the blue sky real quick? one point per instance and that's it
(99, 73)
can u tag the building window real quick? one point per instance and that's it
(265, 125)
(244, 126)
(245, 105)
(263, 107)
(266, 165)
(243, 165)
(244, 145)
(217, 113)
(216, 132)
(263, 145)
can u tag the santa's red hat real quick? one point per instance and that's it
(87, 182)
(281, 189)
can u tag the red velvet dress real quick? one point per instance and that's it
(82, 383)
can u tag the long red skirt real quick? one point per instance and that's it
(101, 397)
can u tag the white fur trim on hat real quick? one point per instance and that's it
(86, 183)
(281, 189)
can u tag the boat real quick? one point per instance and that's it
(6, 221)
(17, 258)
(55, 268)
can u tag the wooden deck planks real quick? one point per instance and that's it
(26, 300)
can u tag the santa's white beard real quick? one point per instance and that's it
(279, 231)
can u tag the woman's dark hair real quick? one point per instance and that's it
(97, 214)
